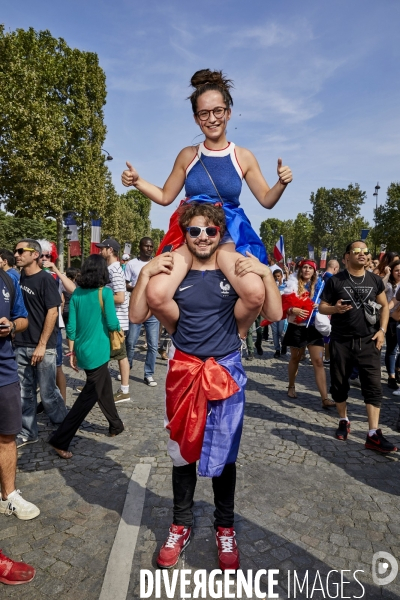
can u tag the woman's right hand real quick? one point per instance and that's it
(300, 312)
(130, 176)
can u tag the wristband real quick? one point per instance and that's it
(381, 329)
(70, 354)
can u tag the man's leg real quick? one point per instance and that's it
(11, 501)
(224, 499)
(258, 343)
(151, 327)
(131, 341)
(183, 486)
(61, 381)
(369, 367)
(275, 337)
(341, 366)
(28, 380)
(53, 402)
(8, 464)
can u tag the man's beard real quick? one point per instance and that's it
(212, 249)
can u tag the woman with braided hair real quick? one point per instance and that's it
(212, 172)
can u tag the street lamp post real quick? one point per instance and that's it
(108, 157)
(377, 188)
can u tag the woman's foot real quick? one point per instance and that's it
(326, 403)
(392, 385)
(63, 453)
(293, 393)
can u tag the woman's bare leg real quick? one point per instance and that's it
(249, 288)
(316, 355)
(161, 289)
(293, 368)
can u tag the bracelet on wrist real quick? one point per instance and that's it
(70, 354)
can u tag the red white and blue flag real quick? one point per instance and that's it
(74, 245)
(279, 249)
(95, 237)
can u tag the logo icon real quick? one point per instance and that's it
(384, 568)
(225, 287)
(185, 288)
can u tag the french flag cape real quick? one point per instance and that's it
(237, 225)
(204, 410)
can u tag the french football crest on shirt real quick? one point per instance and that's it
(363, 293)
(6, 295)
(225, 287)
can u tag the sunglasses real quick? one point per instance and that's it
(195, 232)
(22, 250)
(360, 251)
(46, 256)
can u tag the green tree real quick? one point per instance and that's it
(51, 128)
(387, 230)
(13, 229)
(271, 229)
(336, 218)
(157, 235)
(302, 235)
(126, 217)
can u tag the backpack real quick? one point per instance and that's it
(9, 285)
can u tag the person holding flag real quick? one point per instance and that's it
(299, 299)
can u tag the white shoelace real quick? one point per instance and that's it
(226, 543)
(172, 539)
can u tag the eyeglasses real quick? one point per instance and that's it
(46, 256)
(360, 251)
(218, 113)
(195, 232)
(22, 250)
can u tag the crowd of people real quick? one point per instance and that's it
(208, 284)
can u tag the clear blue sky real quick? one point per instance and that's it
(316, 82)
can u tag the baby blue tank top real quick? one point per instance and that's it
(223, 167)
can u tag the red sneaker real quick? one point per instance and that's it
(228, 552)
(15, 573)
(177, 540)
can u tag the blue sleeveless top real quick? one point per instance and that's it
(225, 170)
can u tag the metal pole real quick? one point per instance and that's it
(377, 187)
(82, 238)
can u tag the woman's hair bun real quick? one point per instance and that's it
(206, 80)
(205, 76)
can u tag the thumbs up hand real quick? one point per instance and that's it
(284, 173)
(129, 176)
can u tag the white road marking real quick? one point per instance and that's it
(116, 579)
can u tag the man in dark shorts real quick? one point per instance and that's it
(357, 342)
(205, 381)
(36, 347)
(13, 318)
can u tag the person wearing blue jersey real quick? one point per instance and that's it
(13, 319)
(205, 381)
(213, 172)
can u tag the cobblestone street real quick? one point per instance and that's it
(305, 501)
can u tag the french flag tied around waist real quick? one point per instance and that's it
(237, 224)
(205, 409)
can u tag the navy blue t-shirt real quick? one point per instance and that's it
(8, 365)
(207, 325)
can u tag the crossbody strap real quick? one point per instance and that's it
(206, 170)
(101, 299)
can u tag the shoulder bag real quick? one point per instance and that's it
(117, 338)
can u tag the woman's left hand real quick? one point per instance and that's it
(284, 173)
(73, 363)
(250, 264)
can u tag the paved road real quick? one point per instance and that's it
(305, 501)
